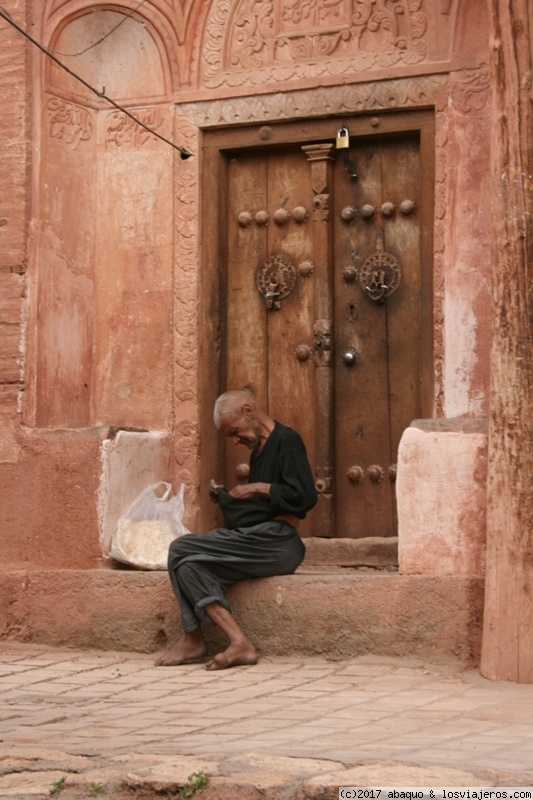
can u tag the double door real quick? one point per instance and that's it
(324, 304)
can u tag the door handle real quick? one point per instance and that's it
(377, 290)
(380, 275)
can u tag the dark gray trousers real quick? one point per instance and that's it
(203, 566)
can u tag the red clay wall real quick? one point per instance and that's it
(15, 146)
(48, 511)
(47, 479)
(112, 316)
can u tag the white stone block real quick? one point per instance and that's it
(441, 494)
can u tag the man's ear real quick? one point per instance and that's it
(248, 411)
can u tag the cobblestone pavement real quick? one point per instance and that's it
(71, 712)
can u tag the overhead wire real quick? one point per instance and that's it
(7, 17)
(102, 38)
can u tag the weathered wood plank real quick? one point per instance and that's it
(507, 649)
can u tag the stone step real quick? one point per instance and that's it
(343, 608)
(374, 552)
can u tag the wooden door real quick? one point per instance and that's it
(269, 248)
(323, 309)
(377, 330)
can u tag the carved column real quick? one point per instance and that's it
(321, 158)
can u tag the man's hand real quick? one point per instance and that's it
(212, 489)
(245, 490)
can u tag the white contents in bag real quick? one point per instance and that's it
(146, 529)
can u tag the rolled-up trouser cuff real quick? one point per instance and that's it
(199, 607)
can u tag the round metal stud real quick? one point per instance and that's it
(244, 219)
(367, 211)
(305, 269)
(349, 274)
(299, 213)
(303, 352)
(350, 357)
(387, 209)
(407, 207)
(391, 472)
(242, 471)
(281, 216)
(265, 133)
(355, 474)
(374, 122)
(375, 473)
(348, 213)
(261, 218)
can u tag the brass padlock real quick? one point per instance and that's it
(343, 138)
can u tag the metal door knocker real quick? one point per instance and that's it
(275, 279)
(380, 275)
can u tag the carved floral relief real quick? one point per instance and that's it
(375, 96)
(185, 315)
(70, 123)
(303, 38)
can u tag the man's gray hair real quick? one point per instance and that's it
(230, 404)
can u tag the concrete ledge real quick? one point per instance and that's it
(437, 618)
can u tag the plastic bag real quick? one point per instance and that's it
(148, 526)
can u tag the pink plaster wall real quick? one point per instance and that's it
(467, 264)
(111, 321)
(15, 132)
(48, 514)
(104, 249)
(65, 290)
(133, 278)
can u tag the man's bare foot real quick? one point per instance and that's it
(190, 649)
(236, 655)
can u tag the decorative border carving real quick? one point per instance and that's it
(377, 96)
(259, 41)
(185, 313)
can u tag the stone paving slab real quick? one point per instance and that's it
(113, 725)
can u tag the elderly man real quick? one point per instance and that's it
(260, 536)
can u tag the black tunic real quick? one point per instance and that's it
(283, 464)
(253, 544)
